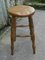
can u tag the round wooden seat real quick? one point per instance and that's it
(22, 11)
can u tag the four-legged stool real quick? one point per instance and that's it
(21, 11)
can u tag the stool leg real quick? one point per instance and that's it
(31, 27)
(13, 34)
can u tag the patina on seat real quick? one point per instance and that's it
(21, 11)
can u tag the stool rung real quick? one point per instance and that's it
(22, 36)
(22, 26)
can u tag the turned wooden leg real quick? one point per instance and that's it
(13, 34)
(31, 27)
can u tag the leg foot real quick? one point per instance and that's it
(12, 51)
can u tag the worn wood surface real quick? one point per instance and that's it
(31, 27)
(13, 33)
(21, 11)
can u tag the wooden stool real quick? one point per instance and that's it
(21, 11)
